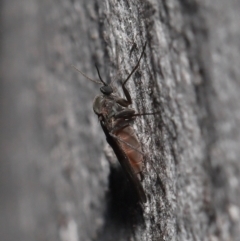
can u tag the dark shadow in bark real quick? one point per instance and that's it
(123, 212)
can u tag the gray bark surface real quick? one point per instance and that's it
(56, 182)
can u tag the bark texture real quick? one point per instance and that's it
(56, 182)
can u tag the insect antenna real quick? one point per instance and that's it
(100, 76)
(134, 69)
(95, 81)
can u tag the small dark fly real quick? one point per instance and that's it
(116, 119)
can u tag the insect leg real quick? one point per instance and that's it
(127, 113)
(142, 114)
(126, 92)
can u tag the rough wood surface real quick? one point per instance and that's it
(56, 182)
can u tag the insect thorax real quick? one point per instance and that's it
(106, 105)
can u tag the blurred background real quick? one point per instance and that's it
(53, 172)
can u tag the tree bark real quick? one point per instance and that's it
(56, 182)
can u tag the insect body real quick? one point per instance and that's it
(121, 137)
(135, 156)
(116, 120)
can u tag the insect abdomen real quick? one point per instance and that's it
(132, 149)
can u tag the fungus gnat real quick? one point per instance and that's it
(116, 119)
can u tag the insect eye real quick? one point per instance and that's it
(106, 90)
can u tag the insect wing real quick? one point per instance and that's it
(123, 159)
